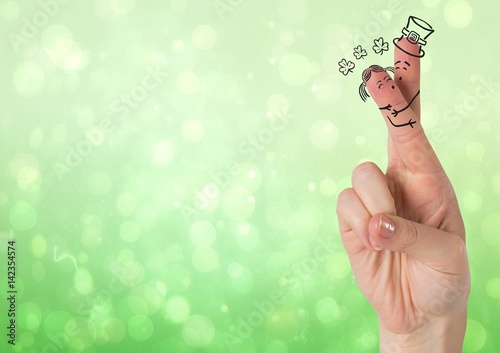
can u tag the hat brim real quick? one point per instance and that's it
(420, 54)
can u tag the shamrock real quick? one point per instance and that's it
(380, 46)
(346, 66)
(359, 52)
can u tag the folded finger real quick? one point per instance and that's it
(354, 219)
(370, 185)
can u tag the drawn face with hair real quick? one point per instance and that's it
(381, 77)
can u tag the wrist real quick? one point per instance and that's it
(437, 335)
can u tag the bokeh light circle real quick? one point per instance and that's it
(140, 328)
(247, 236)
(202, 233)
(493, 288)
(323, 134)
(80, 333)
(193, 130)
(23, 216)
(198, 331)
(205, 259)
(204, 37)
(495, 183)
(114, 329)
(304, 225)
(130, 231)
(295, 69)
(29, 316)
(163, 153)
(475, 151)
(327, 310)
(242, 279)
(100, 183)
(278, 104)
(326, 89)
(328, 187)
(287, 38)
(126, 204)
(337, 265)
(177, 309)
(187, 82)
(28, 79)
(457, 13)
(489, 229)
(9, 10)
(472, 201)
(293, 11)
(39, 246)
(83, 282)
(475, 337)
(238, 203)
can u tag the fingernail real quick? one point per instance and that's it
(374, 244)
(385, 227)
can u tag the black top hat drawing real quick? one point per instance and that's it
(417, 31)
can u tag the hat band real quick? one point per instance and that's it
(419, 55)
(413, 37)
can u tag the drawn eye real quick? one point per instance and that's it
(400, 78)
(380, 85)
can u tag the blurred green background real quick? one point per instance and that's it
(170, 168)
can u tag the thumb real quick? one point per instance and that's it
(436, 248)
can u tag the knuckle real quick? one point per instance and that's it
(412, 235)
(345, 198)
(364, 172)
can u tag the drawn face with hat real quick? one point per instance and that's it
(416, 31)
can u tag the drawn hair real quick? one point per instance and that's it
(367, 73)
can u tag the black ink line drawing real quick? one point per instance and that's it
(359, 52)
(380, 45)
(387, 80)
(402, 67)
(346, 67)
(410, 122)
(366, 75)
(396, 112)
(417, 31)
(414, 27)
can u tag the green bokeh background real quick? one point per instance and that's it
(170, 168)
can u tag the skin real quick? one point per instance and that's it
(418, 280)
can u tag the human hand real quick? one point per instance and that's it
(403, 230)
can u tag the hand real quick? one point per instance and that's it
(404, 233)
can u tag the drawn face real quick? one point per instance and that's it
(398, 65)
(383, 80)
